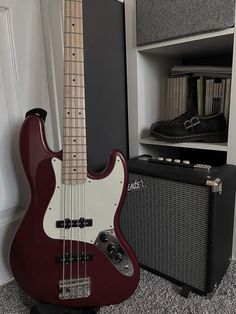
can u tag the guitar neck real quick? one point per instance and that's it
(74, 163)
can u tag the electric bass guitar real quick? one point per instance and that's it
(68, 249)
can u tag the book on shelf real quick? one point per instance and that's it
(176, 103)
(227, 98)
(204, 88)
(200, 95)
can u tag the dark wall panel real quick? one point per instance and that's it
(105, 80)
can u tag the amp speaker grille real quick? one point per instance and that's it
(166, 224)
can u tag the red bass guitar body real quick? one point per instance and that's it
(50, 266)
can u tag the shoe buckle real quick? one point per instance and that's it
(195, 121)
(188, 124)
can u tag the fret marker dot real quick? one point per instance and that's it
(73, 80)
(73, 24)
(73, 54)
(74, 156)
(74, 169)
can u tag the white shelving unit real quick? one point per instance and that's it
(147, 70)
(149, 140)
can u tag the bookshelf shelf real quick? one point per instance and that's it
(194, 145)
(213, 42)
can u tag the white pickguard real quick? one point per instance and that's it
(94, 199)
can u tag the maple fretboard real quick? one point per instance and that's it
(74, 163)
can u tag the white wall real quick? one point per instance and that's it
(23, 85)
(53, 34)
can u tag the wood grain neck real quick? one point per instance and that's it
(74, 163)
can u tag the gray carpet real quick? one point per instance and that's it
(153, 295)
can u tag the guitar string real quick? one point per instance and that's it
(79, 194)
(84, 183)
(71, 234)
(64, 236)
(85, 232)
(70, 148)
(63, 185)
(78, 253)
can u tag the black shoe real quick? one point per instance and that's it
(211, 129)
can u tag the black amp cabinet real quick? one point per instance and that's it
(179, 220)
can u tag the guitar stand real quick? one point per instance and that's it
(42, 308)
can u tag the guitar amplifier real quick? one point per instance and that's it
(178, 218)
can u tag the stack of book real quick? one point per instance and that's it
(204, 88)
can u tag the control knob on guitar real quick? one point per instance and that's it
(68, 249)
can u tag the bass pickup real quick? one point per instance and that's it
(75, 223)
(68, 258)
